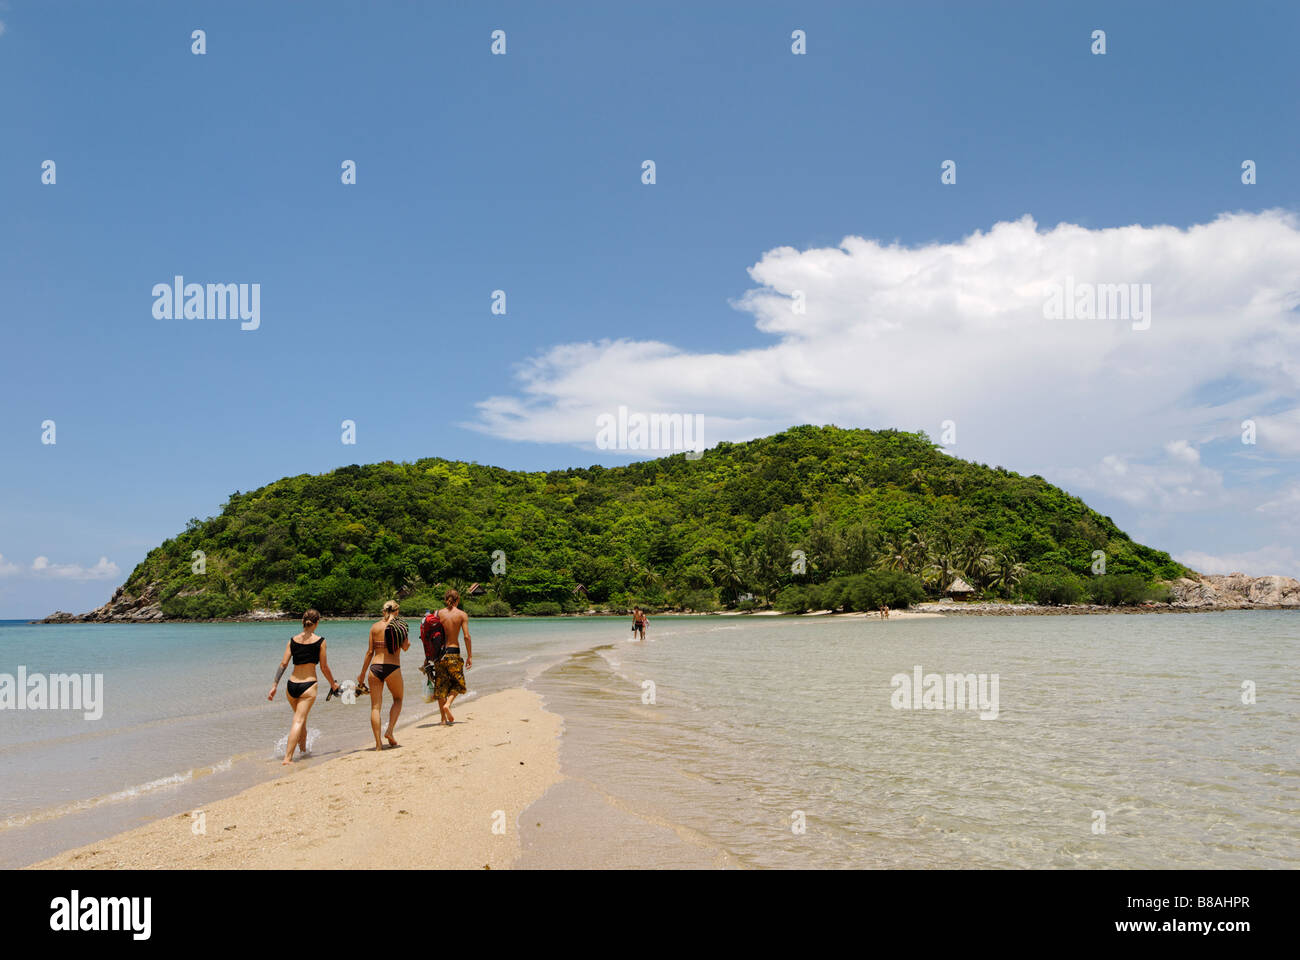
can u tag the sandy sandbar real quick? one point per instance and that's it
(449, 797)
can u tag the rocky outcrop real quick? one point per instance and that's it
(1235, 591)
(1194, 593)
(146, 607)
(1284, 591)
(122, 607)
(259, 615)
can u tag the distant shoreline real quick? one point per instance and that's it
(930, 609)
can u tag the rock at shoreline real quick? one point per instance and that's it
(1236, 590)
(1233, 591)
(1275, 590)
(258, 615)
(1194, 593)
(145, 608)
(121, 607)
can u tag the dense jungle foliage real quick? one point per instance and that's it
(813, 515)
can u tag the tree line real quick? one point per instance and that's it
(882, 513)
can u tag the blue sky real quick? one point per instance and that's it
(523, 173)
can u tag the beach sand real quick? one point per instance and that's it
(433, 802)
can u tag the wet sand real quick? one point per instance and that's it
(448, 797)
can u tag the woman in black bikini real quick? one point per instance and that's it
(306, 650)
(388, 637)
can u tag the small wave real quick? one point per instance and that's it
(281, 745)
(149, 787)
(129, 793)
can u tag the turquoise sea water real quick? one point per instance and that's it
(186, 718)
(757, 725)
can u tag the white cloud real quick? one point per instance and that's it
(1282, 509)
(2, 28)
(7, 569)
(1266, 561)
(1278, 433)
(104, 569)
(1287, 501)
(908, 337)
(1178, 484)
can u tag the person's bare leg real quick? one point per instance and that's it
(302, 738)
(298, 731)
(397, 689)
(376, 704)
(442, 709)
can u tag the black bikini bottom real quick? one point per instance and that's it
(296, 690)
(382, 670)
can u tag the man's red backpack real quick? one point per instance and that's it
(432, 637)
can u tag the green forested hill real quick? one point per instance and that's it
(668, 532)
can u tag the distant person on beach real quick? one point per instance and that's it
(639, 622)
(449, 671)
(388, 637)
(305, 650)
(884, 611)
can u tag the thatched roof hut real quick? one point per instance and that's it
(959, 589)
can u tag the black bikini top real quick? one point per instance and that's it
(305, 652)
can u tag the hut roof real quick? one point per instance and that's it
(960, 586)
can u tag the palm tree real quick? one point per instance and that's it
(457, 584)
(894, 554)
(916, 551)
(943, 566)
(1005, 572)
(974, 559)
(639, 574)
(978, 570)
(728, 574)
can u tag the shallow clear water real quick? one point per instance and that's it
(754, 719)
(1138, 717)
(186, 718)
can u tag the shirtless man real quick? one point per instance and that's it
(449, 671)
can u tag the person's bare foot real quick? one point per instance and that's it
(391, 741)
(449, 720)
(285, 762)
(379, 744)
